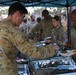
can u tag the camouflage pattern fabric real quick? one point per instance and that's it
(59, 35)
(73, 38)
(35, 33)
(46, 27)
(12, 40)
(45, 51)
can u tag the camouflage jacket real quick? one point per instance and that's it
(12, 40)
(73, 38)
(59, 35)
(35, 33)
(46, 27)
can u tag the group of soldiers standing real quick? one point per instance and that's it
(12, 39)
(43, 27)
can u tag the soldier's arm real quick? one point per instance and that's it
(22, 44)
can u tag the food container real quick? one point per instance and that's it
(53, 66)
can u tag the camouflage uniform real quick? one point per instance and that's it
(46, 27)
(12, 40)
(73, 38)
(59, 35)
(46, 50)
(35, 33)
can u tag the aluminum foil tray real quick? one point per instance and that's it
(55, 65)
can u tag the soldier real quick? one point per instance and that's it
(35, 32)
(12, 40)
(72, 44)
(23, 27)
(31, 23)
(46, 24)
(73, 30)
(58, 33)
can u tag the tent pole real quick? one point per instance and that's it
(68, 24)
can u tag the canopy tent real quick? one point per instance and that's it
(45, 3)
(49, 3)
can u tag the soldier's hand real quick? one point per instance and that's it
(68, 44)
(56, 47)
(48, 41)
(74, 56)
(31, 40)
